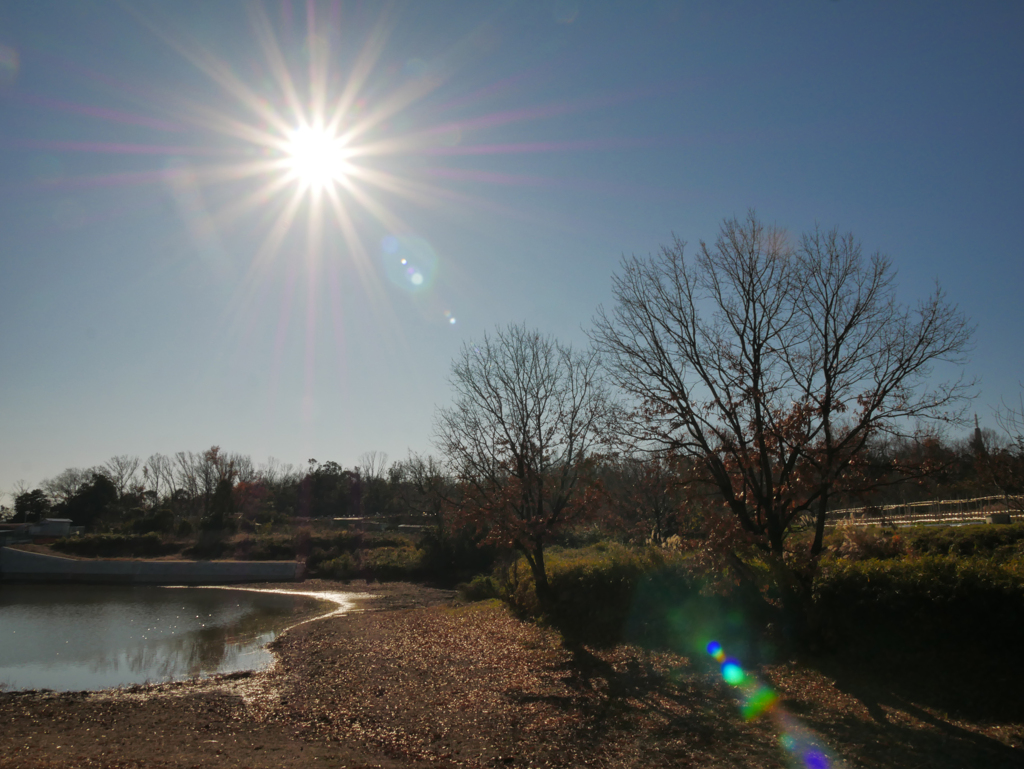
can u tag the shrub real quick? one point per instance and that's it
(341, 568)
(273, 547)
(116, 546)
(159, 521)
(932, 598)
(456, 557)
(592, 588)
(391, 564)
(863, 542)
(978, 539)
(373, 540)
(209, 545)
(343, 541)
(480, 588)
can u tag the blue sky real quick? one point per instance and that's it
(165, 284)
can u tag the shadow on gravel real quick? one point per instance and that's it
(935, 689)
(980, 684)
(677, 717)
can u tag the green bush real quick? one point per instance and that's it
(480, 588)
(158, 521)
(979, 539)
(209, 545)
(931, 598)
(342, 567)
(116, 546)
(391, 564)
(373, 540)
(456, 557)
(343, 541)
(592, 588)
(272, 547)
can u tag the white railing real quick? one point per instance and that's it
(929, 511)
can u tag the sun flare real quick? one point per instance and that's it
(316, 157)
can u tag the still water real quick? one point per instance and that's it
(75, 637)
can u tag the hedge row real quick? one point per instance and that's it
(979, 539)
(386, 564)
(117, 546)
(591, 587)
(612, 593)
(930, 598)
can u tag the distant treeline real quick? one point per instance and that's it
(643, 497)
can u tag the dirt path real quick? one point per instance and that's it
(413, 680)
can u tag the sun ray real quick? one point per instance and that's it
(264, 257)
(319, 55)
(278, 67)
(220, 122)
(364, 265)
(365, 62)
(313, 245)
(215, 69)
(265, 192)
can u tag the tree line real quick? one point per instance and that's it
(730, 396)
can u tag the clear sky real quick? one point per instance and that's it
(172, 276)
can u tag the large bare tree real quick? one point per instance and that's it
(528, 415)
(774, 365)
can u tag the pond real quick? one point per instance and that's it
(77, 637)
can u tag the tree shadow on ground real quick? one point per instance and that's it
(974, 684)
(670, 717)
(919, 705)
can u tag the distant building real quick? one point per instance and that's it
(47, 529)
(50, 527)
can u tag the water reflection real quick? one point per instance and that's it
(73, 637)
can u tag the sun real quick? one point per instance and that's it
(316, 157)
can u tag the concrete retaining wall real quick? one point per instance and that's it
(21, 566)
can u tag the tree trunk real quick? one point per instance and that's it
(540, 577)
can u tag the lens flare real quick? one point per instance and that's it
(733, 673)
(716, 651)
(409, 262)
(758, 702)
(804, 749)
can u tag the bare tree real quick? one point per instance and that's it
(1001, 461)
(187, 473)
(773, 366)
(159, 474)
(61, 488)
(427, 488)
(647, 494)
(372, 465)
(273, 472)
(864, 364)
(121, 470)
(244, 469)
(528, 416)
